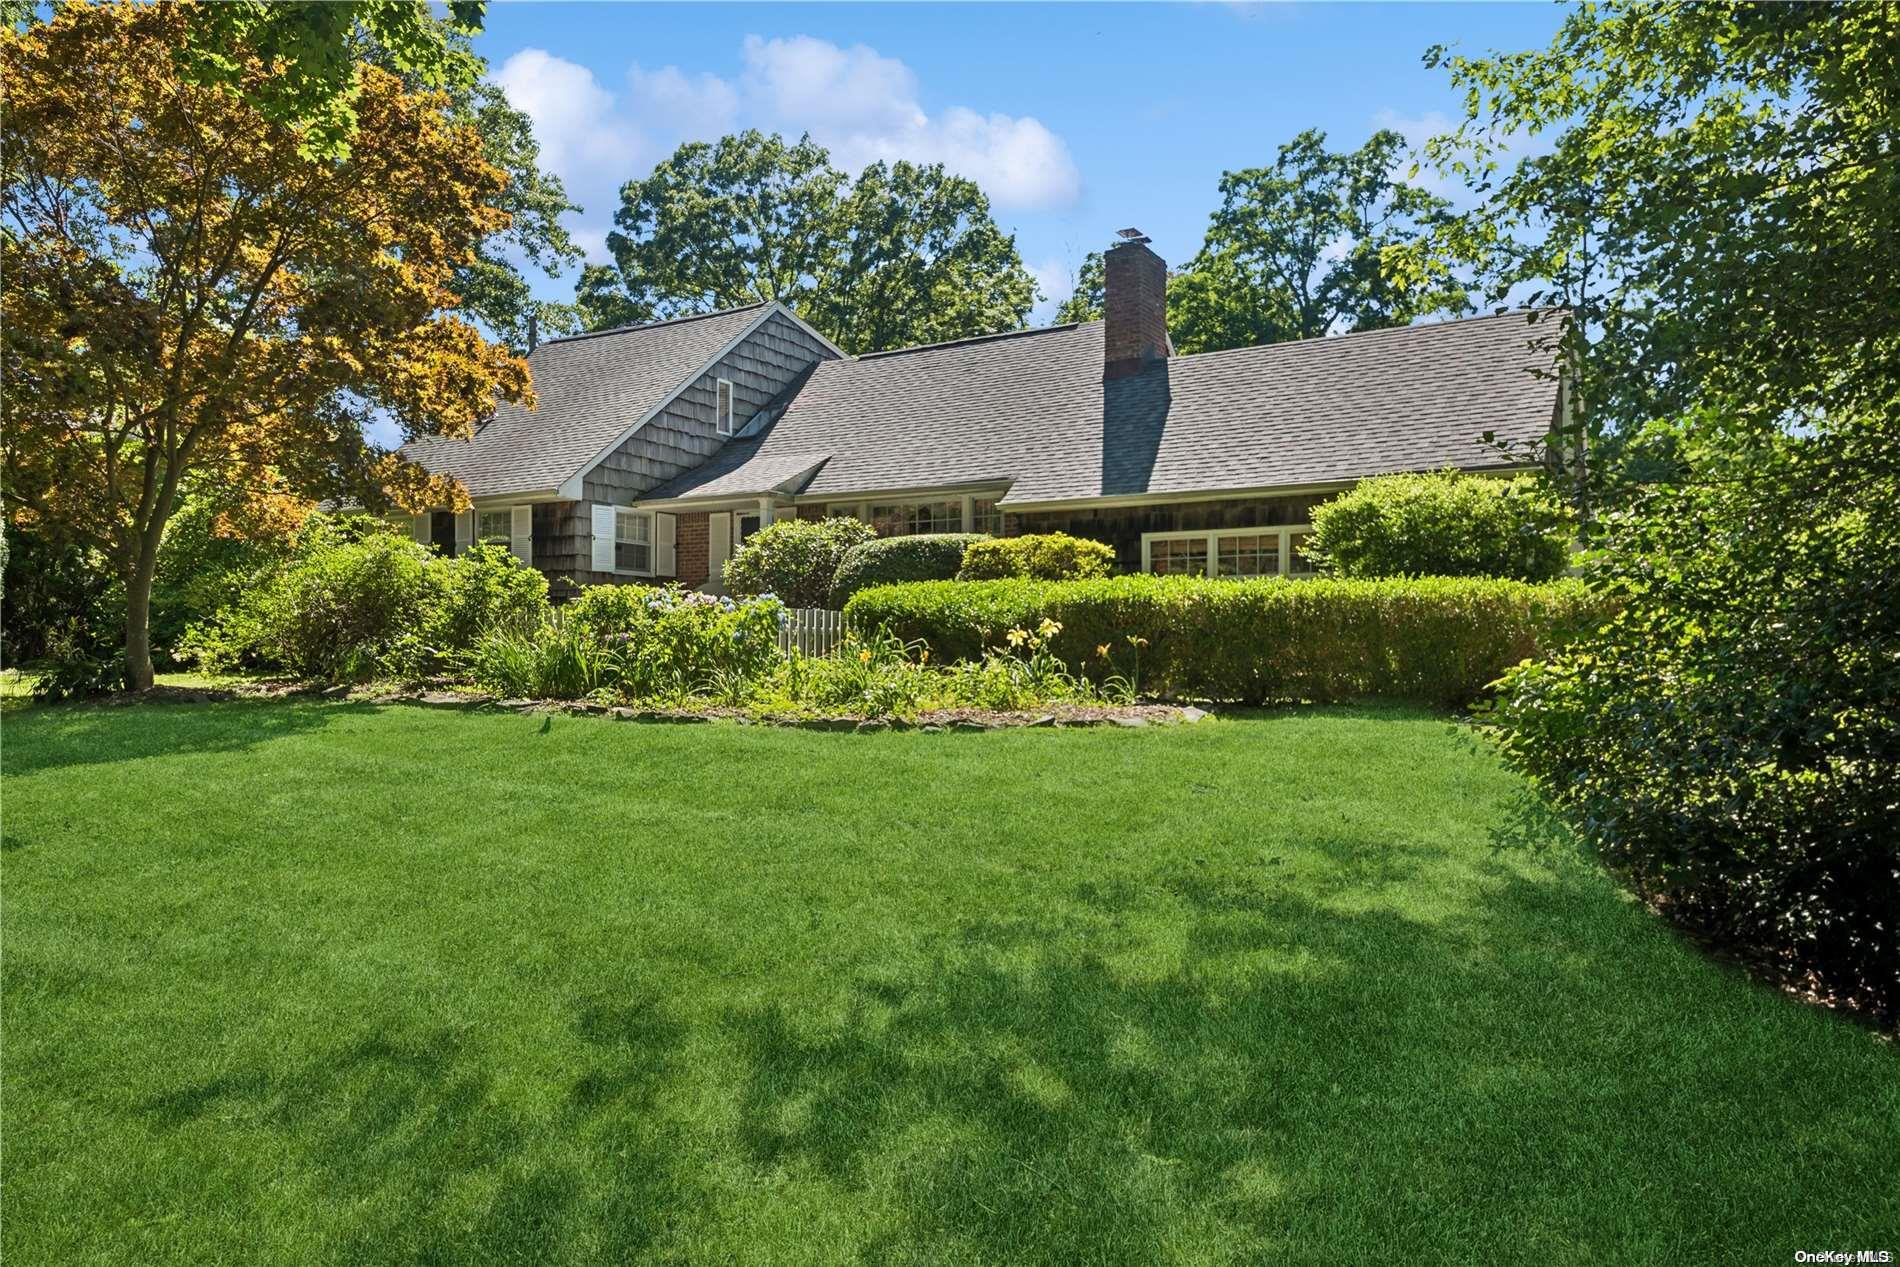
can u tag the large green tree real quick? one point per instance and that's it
(904, 254)
(1719, 207)
(1296, 251)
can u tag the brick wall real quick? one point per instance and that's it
(689, 544)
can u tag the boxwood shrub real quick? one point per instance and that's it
(1042, 556)
(933, 556)
(1438, 640)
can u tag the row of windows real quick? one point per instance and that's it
(910, 519)
(1255, 552)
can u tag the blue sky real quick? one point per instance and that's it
(1077, 119)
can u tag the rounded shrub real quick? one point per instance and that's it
(482, 588)
(795, 559)
(1045, 556)
(935, 556)
(1443, 524)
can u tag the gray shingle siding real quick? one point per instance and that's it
(680, 437)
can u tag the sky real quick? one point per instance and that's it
(1076, 119)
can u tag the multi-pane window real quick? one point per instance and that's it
(920, 517)
(1178, 556)
(1251, 554)
(722, 407)
(1236, 553)
(843, 510)
(494, 525)
(633, 542)
(986, 516)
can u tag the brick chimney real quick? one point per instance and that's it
(1135, 306)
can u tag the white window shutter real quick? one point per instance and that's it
(603, 559)
(521, 533)
(419, 528)
(464, 531)
(718, 548)
(665, 534)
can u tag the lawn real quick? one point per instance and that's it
(335, 983)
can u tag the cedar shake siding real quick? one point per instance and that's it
(680, 437)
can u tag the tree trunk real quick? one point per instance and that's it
(138, 626)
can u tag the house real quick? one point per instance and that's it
(655, 450)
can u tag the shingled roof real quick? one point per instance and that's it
(591, 389)
(1031, 410)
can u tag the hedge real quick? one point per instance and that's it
(930, 556)
(1437, 640)
(1044, 556)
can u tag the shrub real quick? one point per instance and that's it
(794, 559)
(605, 610)
(482, 588)
(934, 556)
(1443, 524)
(1439, 641)
(547, 658)
(1048, 556)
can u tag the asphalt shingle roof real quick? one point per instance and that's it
(590, 388)
(1031, 409)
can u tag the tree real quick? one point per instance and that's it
(1719, 207)
(1088, 296)
(189, 296)
(1295, 250)
(905, 254)
(919, 261)
(316, 49)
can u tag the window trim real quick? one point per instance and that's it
(1285, 532)
(651, 544)
(906, 505)
(725, 422)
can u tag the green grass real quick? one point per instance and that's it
(305, 982)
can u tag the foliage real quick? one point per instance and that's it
(77, 662)
(1088, 292)
(155, 335)
(484, 587)
(311, 52)
(51, 585)
(928, 556)
(904, 254)
(1730, 741)
(1295, 250)
(549, 658)
(1720, 207)
(795, 559)
(1044, 556)
(1438, 641)
(1444, 524)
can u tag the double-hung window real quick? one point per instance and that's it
(633, 542)
(494, 527)
(911, 519)
(1234, 552)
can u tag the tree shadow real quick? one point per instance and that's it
(56, 736)
(403, 1124)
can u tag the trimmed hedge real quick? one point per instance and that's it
(1042, 556)
(931, 556)
(1443, 524)
(1439, 640)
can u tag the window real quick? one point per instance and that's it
(1255, 554)
(743, 526)
(907, 520)
(843, 510)
(1178, 556)
(494, 526)
(986, 517)
(633, 542)
(1239, 554)
(722, 407)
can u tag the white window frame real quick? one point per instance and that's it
(651, 543)
(1285, 532)
(725, 418)
(503, 539)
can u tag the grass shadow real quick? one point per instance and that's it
(57, 736)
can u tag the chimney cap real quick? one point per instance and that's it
(1132, 236)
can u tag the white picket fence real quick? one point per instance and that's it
(811, 631)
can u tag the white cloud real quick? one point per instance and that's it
(694, 107)
(863, 107)
(574, 117)
(1055, 278)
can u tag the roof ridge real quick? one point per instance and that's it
(1387, 330)
(974, 338)
(653, 325)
